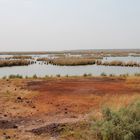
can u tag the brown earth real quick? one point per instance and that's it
(32, 107)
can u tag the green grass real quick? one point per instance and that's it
(119, 125)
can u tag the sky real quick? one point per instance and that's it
(53, 25)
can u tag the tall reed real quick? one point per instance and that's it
(9, 63)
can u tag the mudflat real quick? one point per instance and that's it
(32, 108)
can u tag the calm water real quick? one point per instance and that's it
(42, 70)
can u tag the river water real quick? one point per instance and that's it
(42, 70)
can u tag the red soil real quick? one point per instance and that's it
(76, 96)
(42, 105)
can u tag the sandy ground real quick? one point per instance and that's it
(36, 109)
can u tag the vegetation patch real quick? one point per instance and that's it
(114, 125)
(119, 63)
(121, 125)
(72, 61)
(9, 63)
(15, 76)
(43, 59)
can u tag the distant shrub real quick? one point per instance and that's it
(103, 74)
(46, 76)
(137, 74)
(4, 77)
(26, 77)
(58, 75)
(85, 75)
(99, 62)
(34, 76)
(15, 76)
(112, 75)
(121, 125)
(89, 74)
(124, 75)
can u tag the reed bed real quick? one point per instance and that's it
(76, 61)
(119, 63)
(45, 59)
(9, 63)
(135, 55)
(22, 57)
(72, 61)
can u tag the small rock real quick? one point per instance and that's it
(19, 98)
(4, 133)
(15, 126)
(66, 109)
(7, 137)
(66, 112)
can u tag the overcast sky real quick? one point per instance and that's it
(41, 25)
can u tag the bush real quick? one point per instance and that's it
(26, 77)
(15, 76)
(121, 125)
(85, 75)
(124, 75)
(4, 77)
(112, 75)
(58, 75)
(137, 74)
(46, 76)
(103, 74)
(34, 76)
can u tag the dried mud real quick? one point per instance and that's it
(32, 108)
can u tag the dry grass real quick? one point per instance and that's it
(9, 63)
(72, 61)
(119, 63)
(21, 57)
(43, 59)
